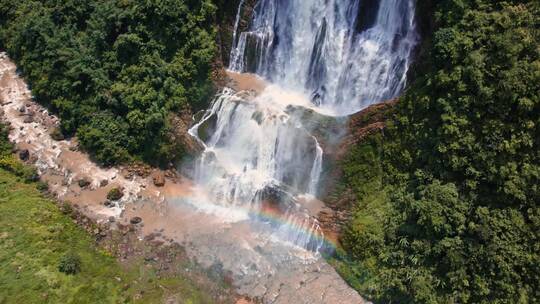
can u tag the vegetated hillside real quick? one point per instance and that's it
(115, 71)
(46, 258)
(448, 200)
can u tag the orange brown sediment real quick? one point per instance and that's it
(182, 189)
(271, 209)
(312, 204)
(246, 82)
(244, 301)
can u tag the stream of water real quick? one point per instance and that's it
(334, 57)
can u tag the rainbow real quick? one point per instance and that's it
(269, 215)
(199, 200)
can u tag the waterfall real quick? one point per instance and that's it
(344, 54)
(316, 170)
(329, 56)
(234, 48)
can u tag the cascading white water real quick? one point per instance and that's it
(316, 169)
(331, 56)
(344, 54)
(235, 33)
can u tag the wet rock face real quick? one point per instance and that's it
(277, 198)
(135, 220)
(227, 11)
(103, 183)
(367, 14)
(83, 183)
(24, 155)
(180, 136)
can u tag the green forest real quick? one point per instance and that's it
(115, 71)
(448, 199)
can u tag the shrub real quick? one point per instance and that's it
(13, 165)
(70, 263)
(66, 208)
(5, 145)
(115, 194)
(42, 186)
(56, 134)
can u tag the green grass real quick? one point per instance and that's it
(35, 234)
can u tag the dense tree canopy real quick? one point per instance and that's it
(455, 218)
(114, 70)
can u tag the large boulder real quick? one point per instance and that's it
(24, 155)
(158, 178)
(135, 220)
(277, 197)
(57, 134)
(115, 194)
(83, 182)
(180, 136)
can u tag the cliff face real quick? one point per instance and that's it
(225, 20)
(425, 25)
(338, 198)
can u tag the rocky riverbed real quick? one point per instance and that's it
(157, 207)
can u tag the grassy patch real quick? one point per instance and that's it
(35, 235)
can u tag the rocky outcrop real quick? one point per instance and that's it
(135, 220)
(367, 14)
(364, 123)
(227, 11)
(103, 183)
(225, 21)
(138, 169)
(179, 135)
